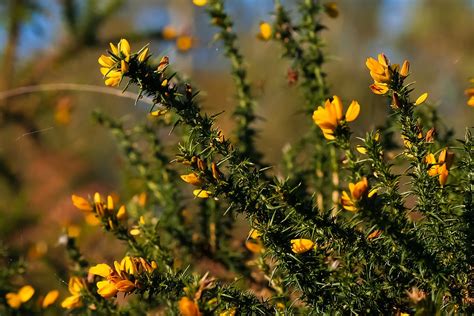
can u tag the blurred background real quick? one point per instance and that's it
(50, 148)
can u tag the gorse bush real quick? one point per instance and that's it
(339, 232)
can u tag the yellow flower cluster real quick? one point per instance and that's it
(329, 117)
(76, 287)
(114, 66)
(194, 179)
(382, 72)
(123, 278)
(25, 293)
(441, 167)
(103, 209)
(357, 192)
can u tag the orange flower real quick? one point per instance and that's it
(440, 167)
(329, 117)
(357, 191)
(301, 245)
(76, 286)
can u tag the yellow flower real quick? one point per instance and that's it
(81, 203)
(329, 117)
(361, 149)
(441, 166)
(229, 312)
(301, 245)
(265, 31)
(184, 43)
(379, 69)
(192, 178)
(187, 307)
(405, 70)
(331, 9)
(50, 298)
(202, 194)
(76, 285)
(14, 300)
(143, 54)
(422, 98)
(357, 191)
(379, 88)
(200, 3)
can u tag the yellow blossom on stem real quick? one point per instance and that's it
(192, 178)
(329, 117)
(405, 70)
(441, 166)
(202, 194)
(301, 245)
(379, 69)
(357, 192)
(422, 98)
(24, 294)
(187, 307)
(75, 286)
(379, 88)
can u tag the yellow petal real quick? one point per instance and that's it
(379, 88)
(301, 245)
(191, 178)
(81, 203)
(112, 82)
(404, 71)
(361, 149)
(128, 265)
(75, 285)
(25, 293)
(124, 47)
(374, 66)
(443, 174)
(135, 232)
(121, 213)
(50, 298)
(114, 49)
(71, 302)
(106, 289)
(254, 246)
(360, 189)
(470, 102)
(187, 307)
(383, 60)
(422, 98)
(328, 134)
(143, 55)
(353, 111)
(202, 194)
(123, 66)
(125, 286)
(372, 193)
(265, 31)
(101, 269)
(110, 203)
(337, 108)
(106, 61)
(200, 3)
(13, 300)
